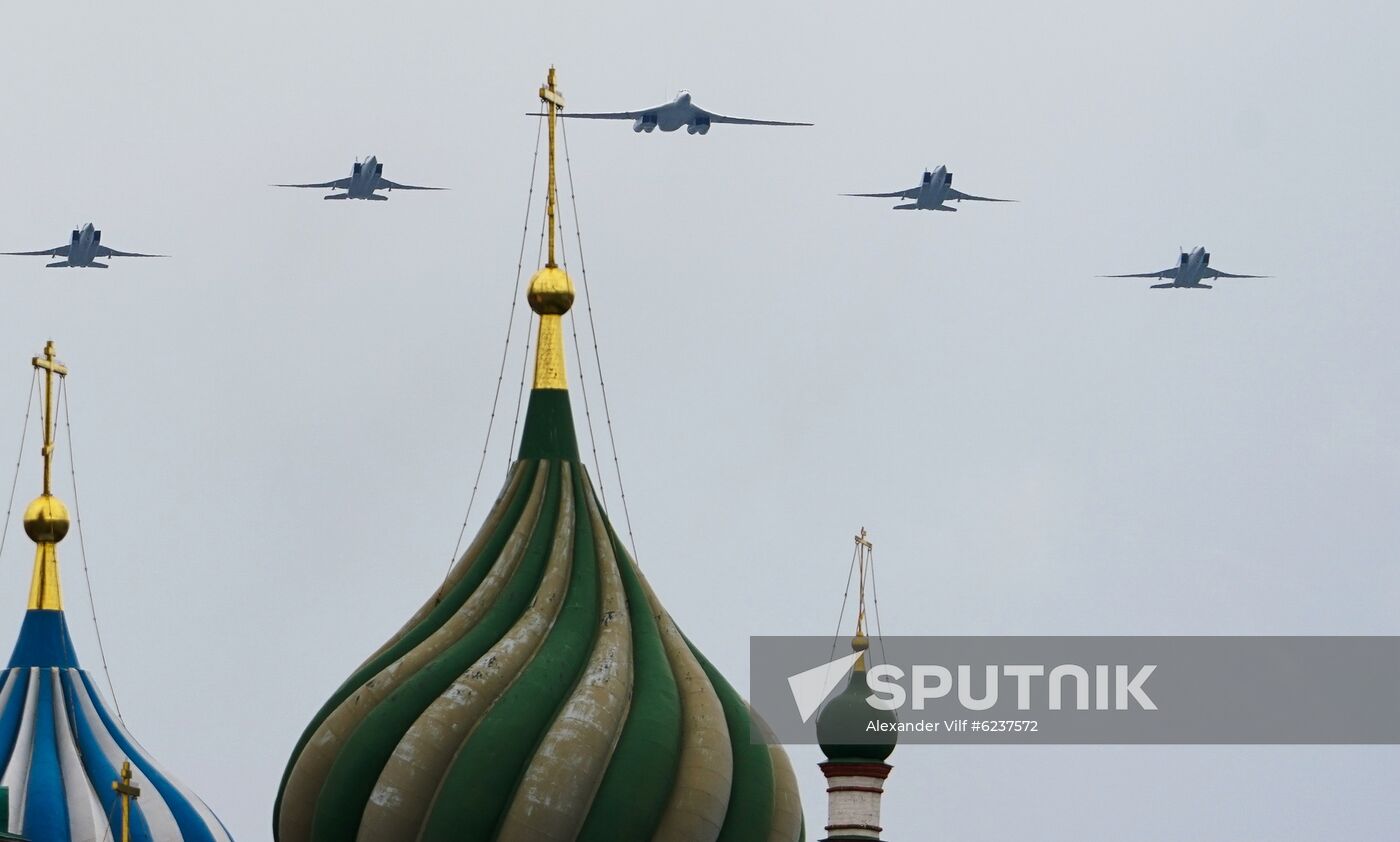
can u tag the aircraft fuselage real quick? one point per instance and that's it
(82, 249)
(672, 116)
(934, 189)
(1192, 268)
(364, 179)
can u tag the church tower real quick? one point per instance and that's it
(73, 772)
(543, 694)
(856, 738)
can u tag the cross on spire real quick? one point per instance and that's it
(46, 519)
(865, 549)
(554, 102)
(50, 365)
(127, 791)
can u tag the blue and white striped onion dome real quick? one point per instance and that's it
(63, 749)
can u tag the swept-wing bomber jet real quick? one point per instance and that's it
(681, 111)
(82, 251)
(1192, 268)
(934, 189)
(365, 178)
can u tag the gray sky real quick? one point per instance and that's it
(277, 428)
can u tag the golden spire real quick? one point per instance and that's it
(46, 519)
(865, 548)
(551, 293)
(125, 789)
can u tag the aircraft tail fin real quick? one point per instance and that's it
(56, 264)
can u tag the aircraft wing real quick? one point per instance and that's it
(601, 115)
(744, 121)
(103, 251)
(61, 251)
(911, 193)
(338, 184)
(386, 184)
(954, 195)
(1216, 273)
(1165, 273)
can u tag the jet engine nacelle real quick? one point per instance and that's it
(378, 169)
(1184, 257)
(76, 235)
(645, 123)
(96, 237)
(700, 126)
(1205, 259)
(947, 179)
(358, 167)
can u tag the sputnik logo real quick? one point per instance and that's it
(810, 688)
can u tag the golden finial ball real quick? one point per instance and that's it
(46, 520)
(551, 293)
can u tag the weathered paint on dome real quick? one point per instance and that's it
(543, 693)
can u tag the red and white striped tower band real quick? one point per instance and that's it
(856, 738)
(853, 799)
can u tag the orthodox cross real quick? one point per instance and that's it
(126, 790)
(865, 548)
(554, 102)
(51, 366)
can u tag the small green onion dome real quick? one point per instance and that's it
(849, 730)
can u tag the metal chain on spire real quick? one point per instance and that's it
(82, 545)
(505, 353)
(845, 595)
(875, 597)
(14, 484)
(879, 629)
(524, 366)
(520, 394)
(111, 819)
(593, 331)
(583, 386)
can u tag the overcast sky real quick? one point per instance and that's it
(277, 428)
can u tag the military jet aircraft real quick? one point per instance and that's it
(935, 189)
(680, 111)
(365, 178)
(1188, 273)
(82, 251)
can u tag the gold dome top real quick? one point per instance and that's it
(551, 292)
(46, 520)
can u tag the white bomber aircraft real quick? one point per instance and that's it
(365, 178)
(680, 111)
(82, 251)
(1190, 270)
(934, 189)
